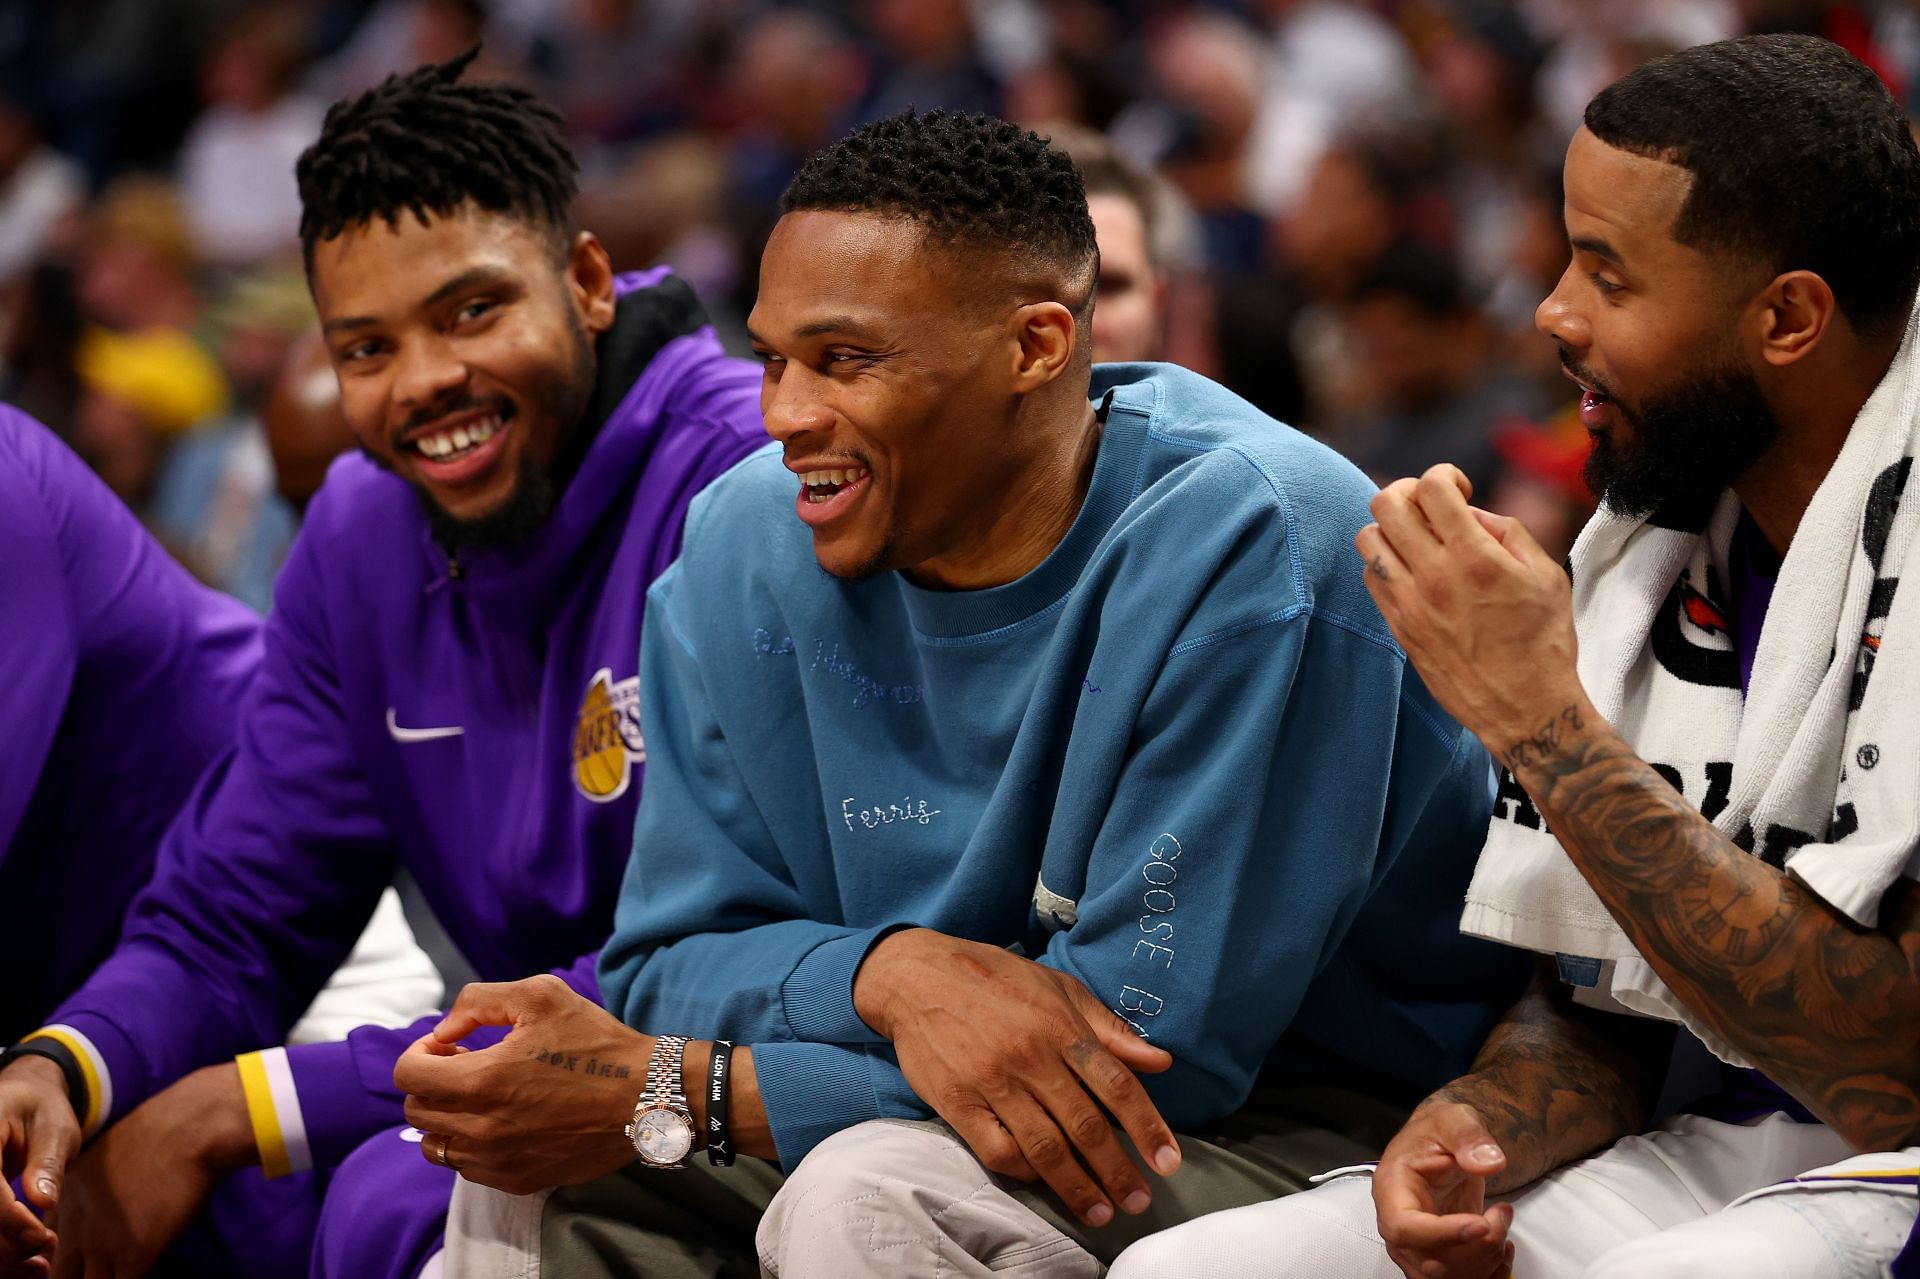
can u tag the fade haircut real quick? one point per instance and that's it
(1800, 161)
(971, 181)
(425, 144)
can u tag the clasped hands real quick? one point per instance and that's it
(1021, 1060)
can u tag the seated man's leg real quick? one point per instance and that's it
(1688, 1169)
(1327, 1232)
(899, 1197)
(1827, 1234)
(385, 1212)
(253, 1227)
(640, 1223)
(919, 1188)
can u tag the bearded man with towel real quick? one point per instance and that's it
(1710, 810)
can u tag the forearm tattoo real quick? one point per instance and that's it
(1556, 1081)
(1827, 1009)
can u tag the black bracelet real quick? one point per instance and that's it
(60, 1055)
(719, 1148)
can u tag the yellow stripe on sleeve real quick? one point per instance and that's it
(265, 1118)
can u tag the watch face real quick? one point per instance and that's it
(662, 1136)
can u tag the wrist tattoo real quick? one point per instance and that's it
(1541, 745)
(560, 1059)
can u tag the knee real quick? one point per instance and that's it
(1326, 1231)
(385, 1211)
(872, 1180)
(857, 1162)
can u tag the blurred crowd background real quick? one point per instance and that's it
(1345, 211)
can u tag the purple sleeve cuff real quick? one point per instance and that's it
(345, 1088)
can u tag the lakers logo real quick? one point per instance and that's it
(606, 737)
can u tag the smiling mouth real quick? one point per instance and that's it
(818, 487)
(451, 443)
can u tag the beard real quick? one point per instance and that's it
(513, 522)
(1687, 443)
(536, 489)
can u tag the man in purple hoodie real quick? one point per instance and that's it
(122, 681)
(449, 685)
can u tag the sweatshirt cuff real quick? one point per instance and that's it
(817, 995)
(812, 1091)
(340, 1104)
(104, 1055)
(273, 1107)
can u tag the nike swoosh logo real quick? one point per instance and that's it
(404, 735)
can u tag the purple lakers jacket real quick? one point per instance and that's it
(120, 681)
(476, 722)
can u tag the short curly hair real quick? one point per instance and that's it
(972, 181)
(1801, 160)
(426, 144)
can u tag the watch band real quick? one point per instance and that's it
(719, 1138)
(665, 1071)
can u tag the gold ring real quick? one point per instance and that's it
(437, 1154)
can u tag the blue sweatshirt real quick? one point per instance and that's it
(1181, 760)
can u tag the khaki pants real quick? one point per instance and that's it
(894, 1197)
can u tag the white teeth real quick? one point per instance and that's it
(836, 478)
(459, 439)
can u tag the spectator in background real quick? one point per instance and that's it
(140, 391)
(1129, 321)
(304, 423)
(926, 55)
(1207, 67)
(236, 166)
(137, 265)
(40, 190)
(1423, 356)
(214, 502)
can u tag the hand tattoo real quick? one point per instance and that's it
(560, 1059)
(1379, 567)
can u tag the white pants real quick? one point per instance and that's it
(1693, 1199)
(886, 1199)
(387, 981)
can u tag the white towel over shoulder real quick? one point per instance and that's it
(1818, 769)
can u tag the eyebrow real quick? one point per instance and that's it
(832, 324)
(459, 283)
(1599, 248)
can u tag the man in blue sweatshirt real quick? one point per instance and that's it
(448, 685)
(1084, 780)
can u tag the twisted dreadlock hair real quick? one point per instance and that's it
(973, 182)
(426, 144)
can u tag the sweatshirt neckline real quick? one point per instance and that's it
(958, 614)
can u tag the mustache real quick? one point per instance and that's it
(465, 402)
(1572, 365)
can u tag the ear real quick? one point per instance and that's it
(1793, 314)
(590, 283)
(1044, 335)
